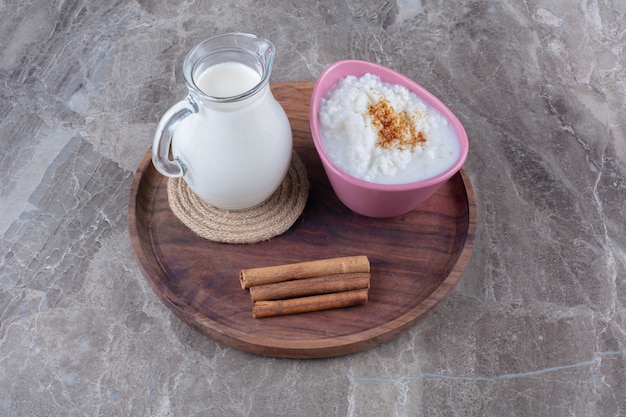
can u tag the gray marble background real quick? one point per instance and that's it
(537, 326)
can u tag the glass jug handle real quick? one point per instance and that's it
(163, 138)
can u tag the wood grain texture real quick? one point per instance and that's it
(416, 259)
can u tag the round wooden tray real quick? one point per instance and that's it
(416, 259)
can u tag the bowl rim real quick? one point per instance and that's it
(334, 72)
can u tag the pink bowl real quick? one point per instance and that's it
(368, 198)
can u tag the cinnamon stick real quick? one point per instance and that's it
(311, 286)
(308, 304)
(323, 267)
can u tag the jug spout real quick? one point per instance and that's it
(265, 51)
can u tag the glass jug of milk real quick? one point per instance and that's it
(230, 140)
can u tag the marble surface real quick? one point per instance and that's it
(537, 326)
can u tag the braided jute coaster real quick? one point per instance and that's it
(262, 222)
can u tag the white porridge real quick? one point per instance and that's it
(384, 133)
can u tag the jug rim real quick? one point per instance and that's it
(263, 52)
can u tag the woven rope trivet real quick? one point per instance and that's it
(264, 221)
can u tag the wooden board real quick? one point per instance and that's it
(416, 259)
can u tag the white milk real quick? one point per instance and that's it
(227, 79)
(350, 136)
(235, 154)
